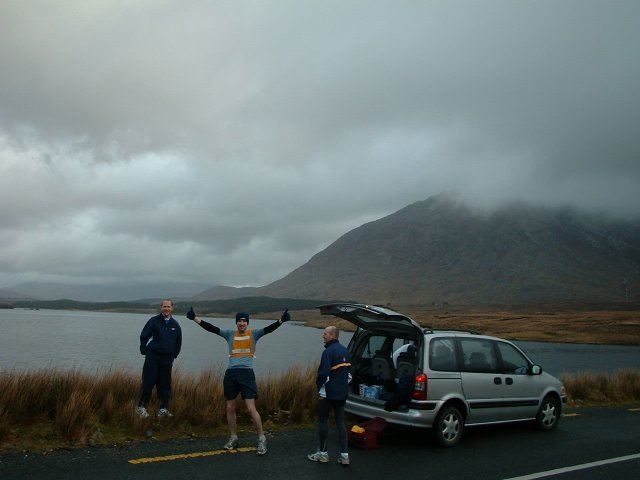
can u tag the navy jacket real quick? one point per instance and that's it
(166, 338)
(336, 365)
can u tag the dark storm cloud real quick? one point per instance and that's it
(240, 138)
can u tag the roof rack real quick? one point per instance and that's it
(439, 330)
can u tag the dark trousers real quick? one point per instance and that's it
(324, 409)
(156, 372)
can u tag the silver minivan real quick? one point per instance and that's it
(442, 380)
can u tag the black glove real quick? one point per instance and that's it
(191, 315)
(285, 316)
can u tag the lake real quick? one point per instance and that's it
(98, 341)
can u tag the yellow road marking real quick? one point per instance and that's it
(181, 456)
(634, 409)
(571, 414)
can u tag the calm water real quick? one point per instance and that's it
(96, 341)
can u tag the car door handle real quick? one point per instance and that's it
(508, 381)
(497, 380)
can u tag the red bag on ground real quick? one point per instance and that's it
(367, 439)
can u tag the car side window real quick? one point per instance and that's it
(478, 355)
(512, 359)
(442, 355)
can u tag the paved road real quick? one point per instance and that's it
(591, 443)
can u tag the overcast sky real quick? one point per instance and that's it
(227, 142)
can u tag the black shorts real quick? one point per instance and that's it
(240, 380)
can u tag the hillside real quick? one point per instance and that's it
(222, 292)
(100, 293)
(434, 252)
(440, 250)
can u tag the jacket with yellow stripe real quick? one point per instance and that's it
(334, 370)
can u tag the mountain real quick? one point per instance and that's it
(105, 293)
(435, 251)
(6, 294)
(222, 292)
(441, 250)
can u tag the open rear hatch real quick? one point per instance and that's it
(373, 318)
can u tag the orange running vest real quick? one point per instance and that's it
(242, 344)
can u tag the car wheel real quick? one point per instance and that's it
(448, 427)
(549, 414)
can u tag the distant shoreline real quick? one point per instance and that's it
(614, 324)
(584, 323)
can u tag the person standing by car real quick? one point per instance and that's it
(332, 381)
(409, 348)
(166, 342)
(400, 390)
(239, 378)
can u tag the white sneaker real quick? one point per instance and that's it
(343, 459)
(142, 412)
(262, 445)
(231, 444)
(322, 457)
(163, 412)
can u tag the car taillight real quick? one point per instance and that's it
(420, 387)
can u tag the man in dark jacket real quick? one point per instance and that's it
(166, 342)
(334, 375)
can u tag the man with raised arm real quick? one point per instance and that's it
(239, 378)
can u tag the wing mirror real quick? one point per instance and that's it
(536, 370)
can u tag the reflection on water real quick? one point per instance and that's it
(96, 341)
(93, 341)
(572, 357)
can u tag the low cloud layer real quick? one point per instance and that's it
(228, 142)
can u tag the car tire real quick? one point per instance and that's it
(549, 414)
(448, 427)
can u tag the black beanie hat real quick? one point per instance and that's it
(240, 315)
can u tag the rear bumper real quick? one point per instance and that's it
(419, 414)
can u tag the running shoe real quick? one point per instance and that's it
(322, 457)
(262, 445)
(231, 444)
(142, 412)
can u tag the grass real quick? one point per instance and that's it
(613, 324)
(599, 389)
(49, 409)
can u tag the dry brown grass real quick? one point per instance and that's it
(602, 389)
(605, 325)
(50, 408)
